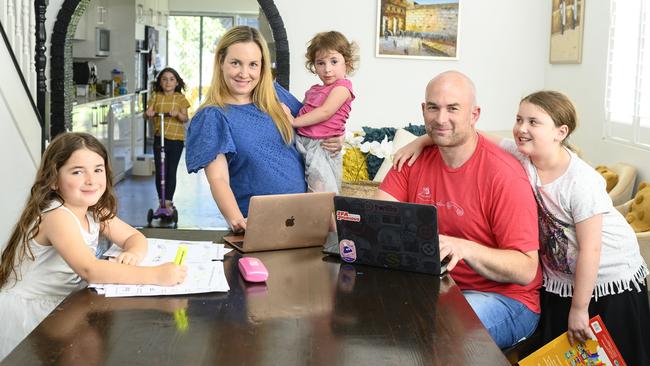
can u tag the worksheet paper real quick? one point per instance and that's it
(204, 269)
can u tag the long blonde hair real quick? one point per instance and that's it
(264, 96)
(43, 192)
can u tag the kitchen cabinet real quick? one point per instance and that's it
(80, 32)
(162, 13)
(140, 12)
(140, 21)
(92, 118)
(152, 12)
(120, 130)
(150, 8)
(138, 137)
(113, 122)
(126, 20)
(163, 6)
(84, 42)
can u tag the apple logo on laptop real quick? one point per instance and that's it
(290, 221)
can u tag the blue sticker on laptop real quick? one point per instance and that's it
(347, 250)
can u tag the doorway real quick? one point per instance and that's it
(191, 43)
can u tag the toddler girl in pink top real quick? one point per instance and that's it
(326, 108)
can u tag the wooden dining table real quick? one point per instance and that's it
(312, 310)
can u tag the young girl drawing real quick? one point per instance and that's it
(326, 108)
(169, 100)
(52, 249)
(590, 255)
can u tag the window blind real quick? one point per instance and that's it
(627, 100)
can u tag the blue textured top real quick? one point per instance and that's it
(259, 162)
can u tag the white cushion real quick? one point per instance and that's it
(402, 138)
(506, 134)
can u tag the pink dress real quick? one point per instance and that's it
(323, 171)
(335, 125)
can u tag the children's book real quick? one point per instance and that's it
(600, 350)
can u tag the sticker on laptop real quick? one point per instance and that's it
(346, 216)
(347, 250)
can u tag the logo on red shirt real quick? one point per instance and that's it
(425, 194)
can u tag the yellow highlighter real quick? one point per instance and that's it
(180, 255)
(180, 317)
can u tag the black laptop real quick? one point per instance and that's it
(387, 234)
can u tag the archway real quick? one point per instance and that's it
(61, 59)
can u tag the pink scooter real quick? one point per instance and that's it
(162, 212)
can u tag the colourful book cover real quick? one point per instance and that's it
(594, 352)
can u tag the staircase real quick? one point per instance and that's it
(18, 18)
(20, 129)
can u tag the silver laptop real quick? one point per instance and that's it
(285, 221)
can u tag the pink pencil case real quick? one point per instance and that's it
(252, 269)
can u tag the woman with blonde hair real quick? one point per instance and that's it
(242, 136)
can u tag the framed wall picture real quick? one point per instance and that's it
(567, 27)
(424, 29)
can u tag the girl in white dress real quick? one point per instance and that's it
(52, 250)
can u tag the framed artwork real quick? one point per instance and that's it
(567, 27)
(422, 29)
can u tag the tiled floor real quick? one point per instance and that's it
(193, 200)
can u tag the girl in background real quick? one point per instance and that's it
(168, 100)
(326, 108)
(590, 254)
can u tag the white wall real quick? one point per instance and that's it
(21, 135)
(20, 148)
(53, 8)
(585, 84)
(503, 47)
(214, 6)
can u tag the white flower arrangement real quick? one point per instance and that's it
(353, 140)
(381, 149)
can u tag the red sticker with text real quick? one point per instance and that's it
(346, 216)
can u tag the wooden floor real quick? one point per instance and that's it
(193, 200)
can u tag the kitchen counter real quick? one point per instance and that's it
(117, 123)
(85, 100)
(102, 98)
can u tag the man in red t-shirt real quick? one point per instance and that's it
(487, 216)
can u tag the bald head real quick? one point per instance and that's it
(450, 115)
(454, 80)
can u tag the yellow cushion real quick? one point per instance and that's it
(610, 177)
(354, 165)
(639, 213)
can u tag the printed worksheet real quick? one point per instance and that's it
(164, 250)
(204, 269)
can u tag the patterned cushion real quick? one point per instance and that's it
(610, 177)
(354, 165)
(639, 213)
